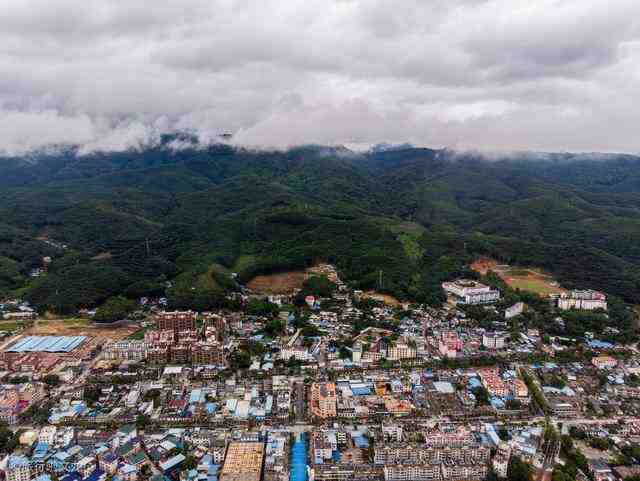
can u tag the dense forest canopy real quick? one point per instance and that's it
(398, 220)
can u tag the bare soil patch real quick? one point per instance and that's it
(531, 279)
(280, 283)
(79, 327)
(386, 298)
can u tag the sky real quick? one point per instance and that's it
(545, 75)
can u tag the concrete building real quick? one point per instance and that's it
(18, 468)
(176, 321)
(125, 350)
(513, 311)
(604, 362)
(323, 400)
(208, 353)
(587, 300)
(470, 292)
(494, 340)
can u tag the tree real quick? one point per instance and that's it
(142, 421)
(482, 396)
(319, 286)
(274, 327)
(115, 309)
(189, 463)
(92, 394)
(240, 359)
(145, 470)
(262, 307)
(519, 470)
(8, 440)
(344, 353)
(51, 380)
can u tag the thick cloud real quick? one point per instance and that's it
(486, 74)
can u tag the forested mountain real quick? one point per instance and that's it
(133, 220)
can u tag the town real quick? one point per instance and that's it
(327, 383)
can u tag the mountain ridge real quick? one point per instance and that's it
(166, 214)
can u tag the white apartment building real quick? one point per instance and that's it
(494, 340)
(470, 292)
(587, 300)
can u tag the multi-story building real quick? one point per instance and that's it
(296, 352)
(587, 300)
(158, 355)
(515, 310)
(323, 400)
(86, 466)
(519, 389)
(125, 350)
(160, 338)
(18, 468)
(396, 453)
(208, 353)
(604, 362)
(457, 438)
(215, 321)
(449, 344)
(181, 353)
(454, 471)
(501, 460)
(470, 292)
(410, 472)
(176, 321)
(494, 340)
(396, 352)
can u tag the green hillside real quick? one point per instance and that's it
(133, 221)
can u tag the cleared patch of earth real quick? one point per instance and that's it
(530, 279)
(78, 327)
(280, 283)
(386, 298)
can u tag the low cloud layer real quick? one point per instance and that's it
(555, 75)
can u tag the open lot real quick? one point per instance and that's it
(280, 283)
(386, 298)
(78, 327)
(9, 326)
(529, 279)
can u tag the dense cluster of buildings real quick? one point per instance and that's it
(177, 339)
(414, 394)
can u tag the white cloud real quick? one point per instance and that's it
(505, 74)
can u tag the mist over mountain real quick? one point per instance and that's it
(130, 221)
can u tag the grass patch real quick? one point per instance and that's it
(534, 285)
(243, 262)
(70, 322)
(408, 234)
(139, 334)
(411, 246)
(517, 272)
(9, 326)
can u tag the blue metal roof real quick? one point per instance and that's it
(47, 344)
(16, 461)
(361, 442)
(172, 462)
(360, 391)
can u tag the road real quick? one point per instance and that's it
(300, 402)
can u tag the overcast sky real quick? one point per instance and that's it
(554, 75)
